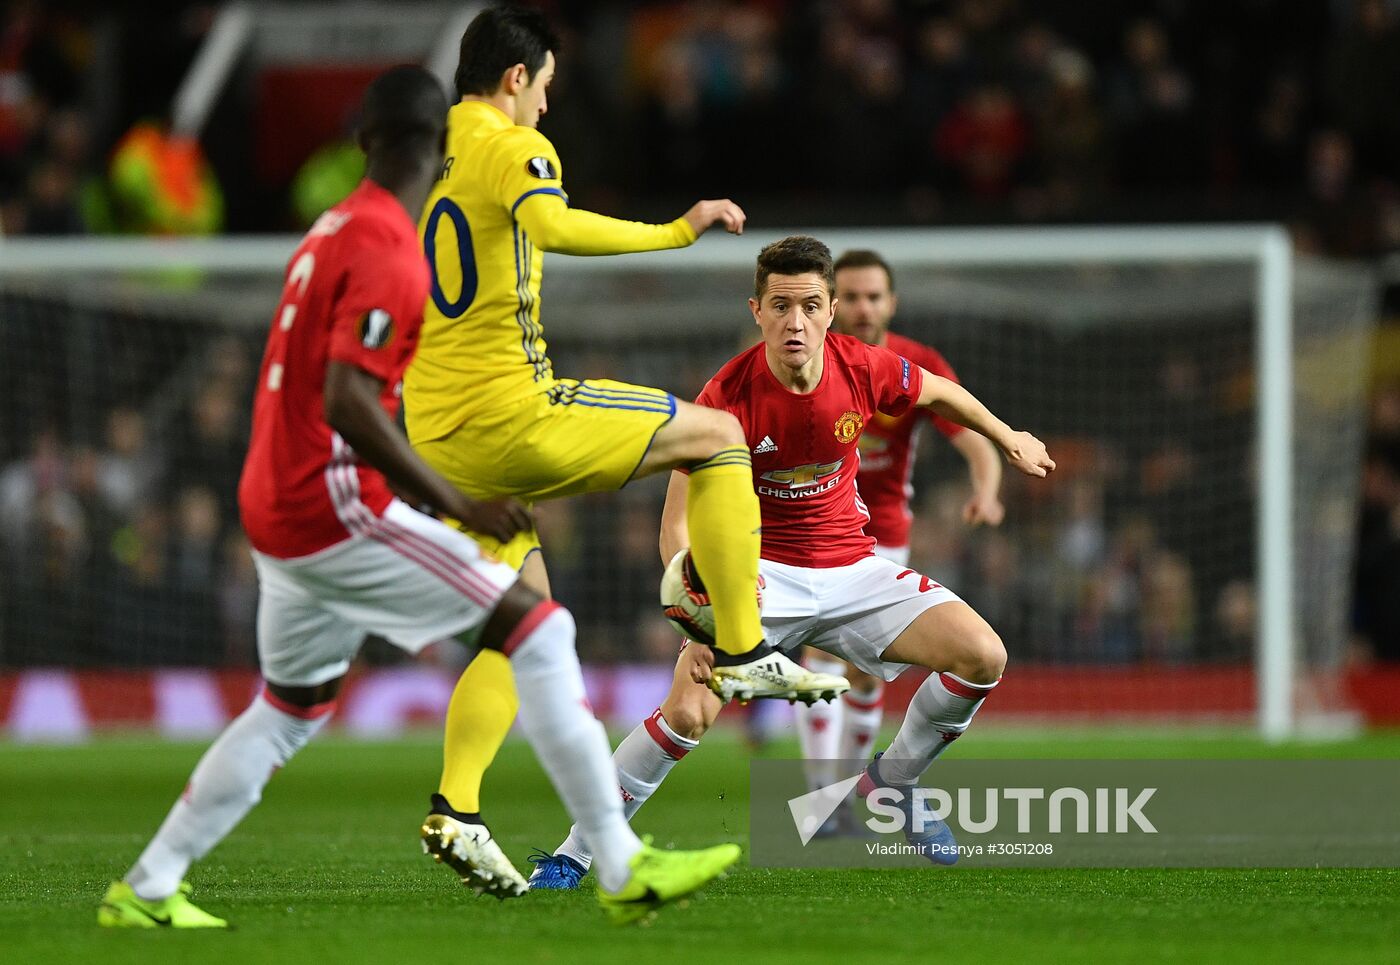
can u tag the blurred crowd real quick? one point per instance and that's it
(1377, 615)
(1005, 110)
(126, 547)
(844, 111)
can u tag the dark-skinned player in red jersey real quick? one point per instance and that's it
(866, 303)
(339, 555)
(803, 397)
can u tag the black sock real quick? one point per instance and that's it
(723, 659)
(440, 806)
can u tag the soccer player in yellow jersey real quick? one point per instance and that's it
(484, 408)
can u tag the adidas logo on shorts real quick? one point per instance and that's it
(767, 445)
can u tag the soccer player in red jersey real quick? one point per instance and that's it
(803, 398)
(339, 555)
(865, 304)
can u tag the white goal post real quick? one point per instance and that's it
(1264, 250)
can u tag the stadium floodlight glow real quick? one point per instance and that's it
(677, 295)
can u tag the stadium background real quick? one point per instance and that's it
(123, 421)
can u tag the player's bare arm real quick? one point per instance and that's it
(953, 402)
(353, 410)
(984, 469)
(674, 534)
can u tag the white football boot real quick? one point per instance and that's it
(767, 672)
(469, 850)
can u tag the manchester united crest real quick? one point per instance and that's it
(848, 426)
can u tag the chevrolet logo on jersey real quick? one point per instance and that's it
(801, 482)
(802, 475)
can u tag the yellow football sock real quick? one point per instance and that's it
(722, 515)
(482, 709)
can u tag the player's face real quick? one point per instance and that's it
(532, 102)
(793, 315)
(864, 303)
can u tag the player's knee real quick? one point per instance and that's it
(984, 657)
(724, 431)
(687, 717)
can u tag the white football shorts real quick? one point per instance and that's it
(408, 578)
(854, 612)
(895, 554)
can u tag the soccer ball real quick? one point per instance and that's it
(686, 603)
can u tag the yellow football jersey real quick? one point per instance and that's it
(482, 344)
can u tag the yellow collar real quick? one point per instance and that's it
(481, 112)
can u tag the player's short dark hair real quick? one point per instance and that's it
(404, 111)
(496, 40)
(865, 258)
(794, 255)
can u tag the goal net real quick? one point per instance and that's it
(1153, 578)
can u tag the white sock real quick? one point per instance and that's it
(225, 785)
(643, 760)
(819, 728)
(570, 743)
(941, 710)
(860, 722)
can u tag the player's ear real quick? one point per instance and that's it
(515, 79)
(753, 307)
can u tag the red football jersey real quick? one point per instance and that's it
(887, 451)
(804, 446)
(354, 293)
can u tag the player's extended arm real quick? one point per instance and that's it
(353, 410)
(554, 226)
(953, 402)
(675, 534)
(984, 469)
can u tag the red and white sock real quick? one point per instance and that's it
(862, 714)
(941, 710)
(643, 760)
(226, 783)
(819, 727)
(570, 743)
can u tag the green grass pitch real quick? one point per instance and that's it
(327, 870)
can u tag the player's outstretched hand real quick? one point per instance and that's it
(1027, 453)
(983, 509)
(706, 213)
(498, 518)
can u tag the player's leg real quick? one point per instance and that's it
(722, 512)
(862, 714)
(966, 658)
(643, 759)
(843, 730)
(819, 724)
(479, 716)
(884, 617)
(298, 641)
(459, 591)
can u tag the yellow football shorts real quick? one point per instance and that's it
(579, 437)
